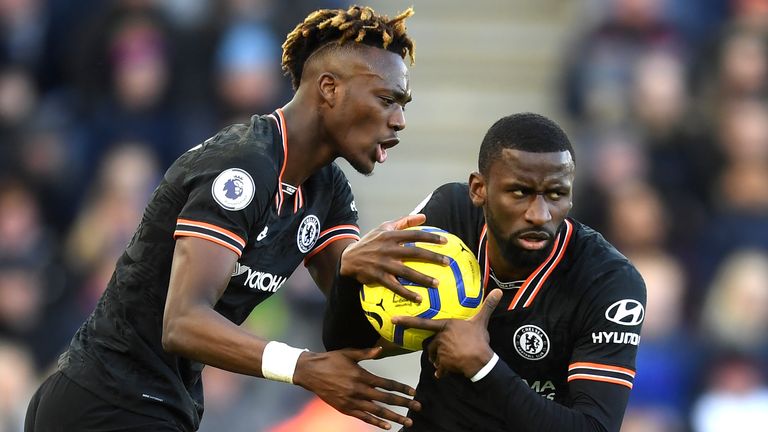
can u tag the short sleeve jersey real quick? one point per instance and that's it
(569, 330)
(229, 191)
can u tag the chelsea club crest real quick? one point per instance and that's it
(531, 342)
(309, 231)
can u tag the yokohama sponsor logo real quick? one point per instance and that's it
(616, 337)
(543, 388)
(263, 281)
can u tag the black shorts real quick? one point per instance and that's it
(61, 405)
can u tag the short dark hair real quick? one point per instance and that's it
(357, 24)
(524, 131)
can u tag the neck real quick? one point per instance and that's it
(504, 284)
(502, 268)
(308, 151)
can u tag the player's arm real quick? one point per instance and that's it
(598, 392)
(463, 347)
(344, 325)
(525, 408)
(193, 329)
(343, 267)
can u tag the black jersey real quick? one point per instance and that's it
(227, 190)
(568, 334)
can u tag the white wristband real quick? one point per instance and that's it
(278, 361)
(485, 369)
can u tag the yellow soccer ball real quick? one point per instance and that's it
(458, 295)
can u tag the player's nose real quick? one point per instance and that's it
(538, 212)
(397, 119)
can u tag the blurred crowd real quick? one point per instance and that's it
(666, 101)
(669, 102)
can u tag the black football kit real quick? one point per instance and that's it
(227, 190)
(567, 336)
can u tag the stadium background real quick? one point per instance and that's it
(664, 99)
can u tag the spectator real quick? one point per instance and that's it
(17, 383)
(601, 65)
(247, 72)
(106, 223)
(134, 99)
(736, 399)
(667, 360)
(735, 311)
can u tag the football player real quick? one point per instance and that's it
(230, 221)
(558, 353)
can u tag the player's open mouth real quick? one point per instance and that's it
(381, 148)
(381, 154)
(534, 240)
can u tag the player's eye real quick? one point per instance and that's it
(556, 194)
(387, 100)
(518, 193)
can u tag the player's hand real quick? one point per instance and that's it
(337, 379)
(378, 257)
(458, 346)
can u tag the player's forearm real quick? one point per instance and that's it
(203, 335)
(345, 325)
(527, 411)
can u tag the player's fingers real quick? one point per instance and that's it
(415, 236)
(364, 416)
(410, 221)
(393, 399)
(415, 253)
(383, 412)
(418, 323)
(391, 385)
(407, 275)
(432, 352)
(486, 310)
(393, 285)
(360, 354)
(379, 412)
(440, 372)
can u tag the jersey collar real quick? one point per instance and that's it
(535, 281)
(284, 189)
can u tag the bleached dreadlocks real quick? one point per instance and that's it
(359, 24)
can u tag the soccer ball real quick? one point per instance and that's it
(458, 294)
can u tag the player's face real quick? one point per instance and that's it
(370, 110)
(525, 197)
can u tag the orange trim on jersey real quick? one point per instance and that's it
(619, 381)
(298, 202)
(181, 233)
(531, 276)
(599, 366)
(215, 228)
(328, 242)
(352, 227)
(487, 270)
(569, 231)
(284, 136)
(482, 234)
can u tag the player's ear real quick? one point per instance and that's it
(477, 189)
(328, 87)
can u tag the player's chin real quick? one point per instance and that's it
(364, 166)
